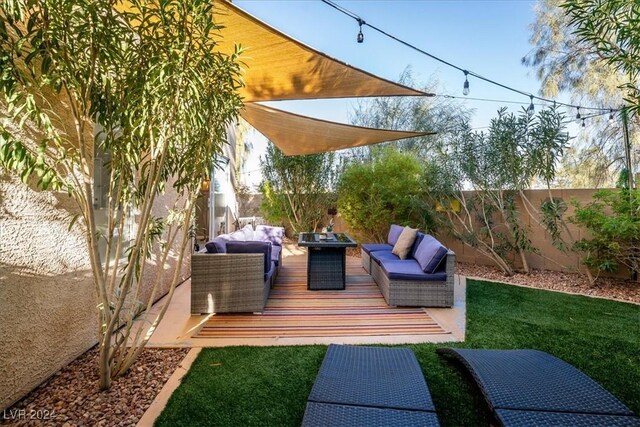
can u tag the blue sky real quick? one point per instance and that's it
(488, 37)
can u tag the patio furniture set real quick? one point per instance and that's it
(381, 386)
(234, 273)
(423, 278)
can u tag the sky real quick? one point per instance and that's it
(489, 37)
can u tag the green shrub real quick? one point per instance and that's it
(613, 220)
(384, 191)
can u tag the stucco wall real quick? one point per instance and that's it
(47, 300)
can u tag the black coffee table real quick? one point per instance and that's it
(326, 259)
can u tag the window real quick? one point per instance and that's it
(102, 177)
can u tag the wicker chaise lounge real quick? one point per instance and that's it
(369, 386)
(533, 388)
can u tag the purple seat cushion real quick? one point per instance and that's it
(268, 233)
(409, 269)
(430, 254)
(372, 247)
(275, 253)
(252, 248)
(219, 244)
(394, 233)
(272, 270)
(384, 255)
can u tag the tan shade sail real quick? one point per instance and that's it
(295, 134)
(279, 67)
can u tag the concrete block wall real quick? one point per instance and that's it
(550, 258)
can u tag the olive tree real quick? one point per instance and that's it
(151, 75)
(297, 189)
(497, 165)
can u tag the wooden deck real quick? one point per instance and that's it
(295, 312)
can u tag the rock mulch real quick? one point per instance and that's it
(71, 397)
(605, 287)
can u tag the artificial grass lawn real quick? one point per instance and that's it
(259, 386)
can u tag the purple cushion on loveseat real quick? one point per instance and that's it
(409, 269)
(416, 244)
(272, 270)
(430, 254)
(384, 255)
(252, 248)
(394, 233)
(373, 247)
(268, 233)
(219, 244)
(275, 253)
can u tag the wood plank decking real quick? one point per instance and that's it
(293, 311)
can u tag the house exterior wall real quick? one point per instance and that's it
(47, 299)
(48, 312)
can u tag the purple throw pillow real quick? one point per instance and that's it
(394, 234)
(430, 254)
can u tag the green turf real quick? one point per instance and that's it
(260, 386)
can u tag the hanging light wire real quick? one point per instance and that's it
(442, 61)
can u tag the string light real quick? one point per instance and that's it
(578, 115)
(360, 35)
(610, 117)
(465, 87)
(531, 108)
(361, 22)
(583, 125)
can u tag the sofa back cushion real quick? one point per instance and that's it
(394, 233)
(416, 244)
(247, 230)
(252, 248)
(218, 245)
(430, 254)
(405, 242)
(268, 233)
(238, 236)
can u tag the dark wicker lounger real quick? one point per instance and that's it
(533, 388)
(369, 386)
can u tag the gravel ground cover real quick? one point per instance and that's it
(619, 289)
(71, 396)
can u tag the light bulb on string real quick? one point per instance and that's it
(578, 115)
(610, 117)
(465, 87)
(360, 37)
(531, 110)
(583, 125)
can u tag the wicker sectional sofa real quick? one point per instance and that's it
(235, 272)
(405, 282)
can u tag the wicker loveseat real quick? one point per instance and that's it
(424, 279)
(235, 272)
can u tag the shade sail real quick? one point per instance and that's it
(279, 67)
(295, 134)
